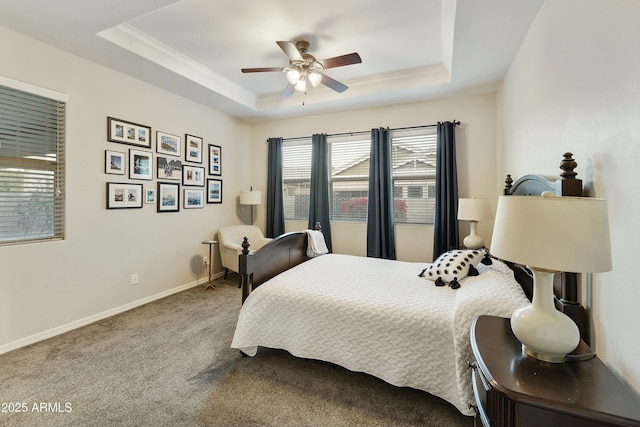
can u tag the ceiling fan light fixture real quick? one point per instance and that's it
(315, 78)
(293, 76)
(301, 85)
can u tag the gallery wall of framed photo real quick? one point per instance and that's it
(182, 171)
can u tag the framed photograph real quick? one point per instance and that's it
(169, 168)
(168, 197)
(130, 133)
(193, 175)
(114, 162)
(140, 164)
(167, 144)
(193, 198)
(149, 195)
(124, 196)
(215, 160)
(214, 190)
(192, 148)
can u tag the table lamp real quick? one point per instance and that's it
(473, 210)
(251, 198)
(550, 234)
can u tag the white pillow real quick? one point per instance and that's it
(453, 266)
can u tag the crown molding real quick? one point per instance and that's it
(141, 44)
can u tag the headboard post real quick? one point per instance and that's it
(246, 265)
(508, 183)
(569, 185)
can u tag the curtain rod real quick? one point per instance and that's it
(366, 132)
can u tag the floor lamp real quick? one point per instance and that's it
(251, 198)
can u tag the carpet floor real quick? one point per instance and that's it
(168, 363)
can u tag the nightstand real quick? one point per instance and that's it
(512, 389)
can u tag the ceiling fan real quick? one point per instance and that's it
(304, 68)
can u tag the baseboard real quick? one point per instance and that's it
(50, 333)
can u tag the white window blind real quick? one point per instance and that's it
(414, 171)
(349, 159)
(296, 177)
(413, 165)
(32, 178)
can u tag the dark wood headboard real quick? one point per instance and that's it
(280, 254)
(565, 284)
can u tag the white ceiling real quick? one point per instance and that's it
(411, 49)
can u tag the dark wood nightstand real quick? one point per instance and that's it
(514, 390)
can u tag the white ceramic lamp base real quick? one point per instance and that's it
(545, 333)
(473, 240)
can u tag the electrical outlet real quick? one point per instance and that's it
(205, 261)
(134, 279)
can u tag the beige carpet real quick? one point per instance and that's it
(169, 363)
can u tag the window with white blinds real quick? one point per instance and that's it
(296, 178)
(413, 161)
(32, 178)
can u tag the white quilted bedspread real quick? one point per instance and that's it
(377, 316)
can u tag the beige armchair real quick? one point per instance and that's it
(230, 239)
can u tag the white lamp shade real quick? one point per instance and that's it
(568, 234)
(250, 197)
(473, 209)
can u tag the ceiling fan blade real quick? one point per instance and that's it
(291, 50)
(260, 70)
(288, 91)
(340, 61)
(333, 84)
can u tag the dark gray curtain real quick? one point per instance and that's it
(380, 223)
(319, 205)
(445, 223)
(275, 200)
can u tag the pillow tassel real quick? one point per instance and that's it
(454, 284)
(422, 272)
(486, 260)
(473, 271)
(439, 282)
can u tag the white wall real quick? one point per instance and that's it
(475, 143)
(49, 286)
(575, 86)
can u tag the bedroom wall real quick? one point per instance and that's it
(475, 143)
(48, 287)
(574, 86)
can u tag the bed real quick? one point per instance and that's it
(373, 315)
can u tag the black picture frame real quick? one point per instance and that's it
(193, 176)
(193, 148)
(124, 195)
(214, 190)
(168, 144)
(168, 197)
(168, 168)
(193, 198)
(140, 164)
(115, 162)
(130, 133)
(215, 160)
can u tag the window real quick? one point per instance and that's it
(414, 169)
(296, 177)
(349, 186)
(32, 135)
(413, 161)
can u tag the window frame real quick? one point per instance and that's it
(26, 174)
(401, 183)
